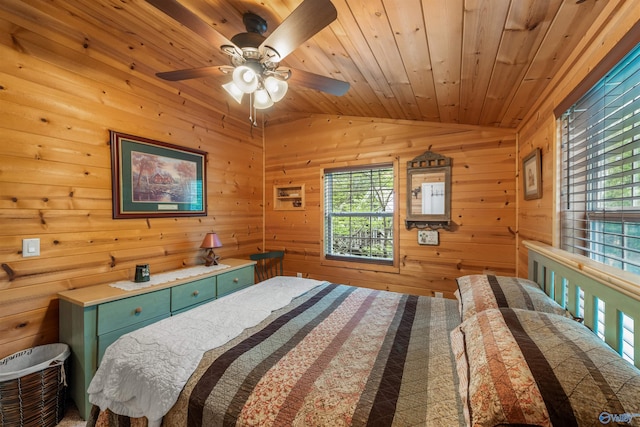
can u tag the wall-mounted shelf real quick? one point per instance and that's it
(288, 197)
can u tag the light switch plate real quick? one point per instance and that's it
(30, 247)
(428, 237)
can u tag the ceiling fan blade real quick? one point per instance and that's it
(192, 73)
(305, 21)
(190, 20)
(318, 82)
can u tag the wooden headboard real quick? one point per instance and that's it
(605, 297)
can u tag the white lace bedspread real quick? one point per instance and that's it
(143, 372)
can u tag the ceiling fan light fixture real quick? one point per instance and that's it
(255, 59)
(245, 79)
(233, 90)
(277, 88)
(261, 99)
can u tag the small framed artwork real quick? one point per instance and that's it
(156, 179)
(531, 174)
(428, 237)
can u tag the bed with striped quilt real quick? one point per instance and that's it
(337, 355)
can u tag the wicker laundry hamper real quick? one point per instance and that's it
(33, 386)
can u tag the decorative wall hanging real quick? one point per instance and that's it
(531, 173)
(156, 179)
(428, 237)
(429, 192)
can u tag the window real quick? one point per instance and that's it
(600, 192)
(359, 214)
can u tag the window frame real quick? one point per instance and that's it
(356, 262)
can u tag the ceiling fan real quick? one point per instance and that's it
(255, 60)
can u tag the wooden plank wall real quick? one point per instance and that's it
(483, 198)
(65, 81)
(59, 98)
(537, 218)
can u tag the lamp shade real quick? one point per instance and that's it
(234, 91)
(211, 240)
(262, 99)
(277, 88)
(245, 79)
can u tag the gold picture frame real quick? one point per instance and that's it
(532, 175)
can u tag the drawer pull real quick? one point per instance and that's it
(138, 310)
(236, 280)
(196, 293)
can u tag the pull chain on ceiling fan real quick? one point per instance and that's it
(255, 60)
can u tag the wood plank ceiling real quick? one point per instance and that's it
(478, 62)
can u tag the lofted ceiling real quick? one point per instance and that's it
(479, 62)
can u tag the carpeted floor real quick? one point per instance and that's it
(72, 417)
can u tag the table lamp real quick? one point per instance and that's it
(211, 241)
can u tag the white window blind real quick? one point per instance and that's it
(359, 214)
(600, 192)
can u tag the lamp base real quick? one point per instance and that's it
(211, 259)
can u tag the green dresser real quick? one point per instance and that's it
(92, 318)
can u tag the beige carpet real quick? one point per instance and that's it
(72, 417)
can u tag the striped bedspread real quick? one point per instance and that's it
(337, 355)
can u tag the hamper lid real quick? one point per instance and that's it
(31, 360)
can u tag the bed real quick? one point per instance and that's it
(312, 353)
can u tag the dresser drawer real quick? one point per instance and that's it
(109, 338)
(192, 293)
(191, 307)
(234, 280)
(128, 311)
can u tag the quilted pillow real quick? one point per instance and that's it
(536, 368)
(480, 292)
